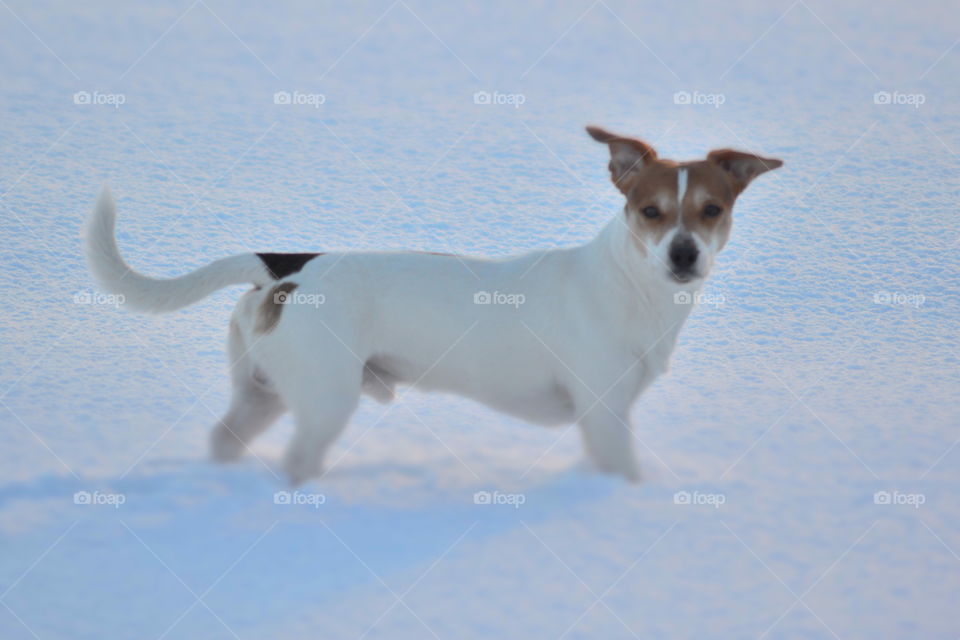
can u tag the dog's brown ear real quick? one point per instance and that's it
(742, 167)
(627, 156)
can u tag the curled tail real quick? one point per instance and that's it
(156, 295)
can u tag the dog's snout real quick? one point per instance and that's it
(684, 254)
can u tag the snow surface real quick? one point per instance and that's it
(794, 402)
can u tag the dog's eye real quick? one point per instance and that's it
(712, 211)
(651, 212)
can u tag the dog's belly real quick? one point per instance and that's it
(548, 406)
(542, 402)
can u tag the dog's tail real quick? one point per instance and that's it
(155, 295)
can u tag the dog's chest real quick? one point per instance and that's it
(653, 336)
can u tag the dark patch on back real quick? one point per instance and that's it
(281, 265)
(268, 314)
(434, 253)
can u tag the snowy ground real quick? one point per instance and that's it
(828, 373)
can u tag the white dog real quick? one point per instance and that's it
(558, 336)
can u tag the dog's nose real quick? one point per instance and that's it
(684, 254)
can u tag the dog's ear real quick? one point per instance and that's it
(627, 156)
(742, 167)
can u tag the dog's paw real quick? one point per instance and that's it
(628, 469)
(225, 446)
(633, 475)
(301, 466)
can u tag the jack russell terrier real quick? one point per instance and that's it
(553, 337)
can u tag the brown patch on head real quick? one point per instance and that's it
(268, 313)
(654, 207)
(651, 186)
(654, 188)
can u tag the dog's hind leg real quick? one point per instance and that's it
(322, 403)
(318, 424)
(254, 406)
(253, 409)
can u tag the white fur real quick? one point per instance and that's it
(144, 293)
(597, 324)
(681, 189)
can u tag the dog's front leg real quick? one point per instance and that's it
(608, 440)
(602, 397)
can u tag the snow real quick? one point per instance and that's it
(827, 373)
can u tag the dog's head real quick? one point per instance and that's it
(679, 213)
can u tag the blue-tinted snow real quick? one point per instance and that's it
(828, 373)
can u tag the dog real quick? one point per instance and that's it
(562, 336)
